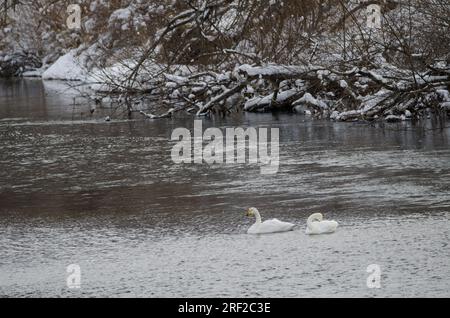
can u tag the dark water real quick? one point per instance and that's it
(75, 189)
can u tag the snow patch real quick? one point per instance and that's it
(308, 99)
(67, 68)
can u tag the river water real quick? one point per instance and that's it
(106, 196)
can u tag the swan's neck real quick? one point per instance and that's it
(258, 217)
(315, 217)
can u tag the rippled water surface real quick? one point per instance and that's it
(75, 189)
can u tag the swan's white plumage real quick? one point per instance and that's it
(316, 225)
(269, 226)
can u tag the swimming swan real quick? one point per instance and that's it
(316, 225)
(267, 227)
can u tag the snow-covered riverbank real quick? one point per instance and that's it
(294, 91)
(225, 57)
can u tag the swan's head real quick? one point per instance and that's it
(316, 217)
(252, 212)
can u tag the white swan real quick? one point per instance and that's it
(266, 227)
(316, 225)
